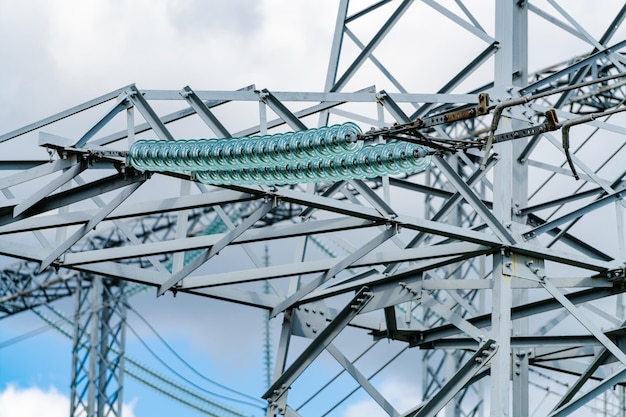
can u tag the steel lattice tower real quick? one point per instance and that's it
(495, 267)
(98, 355)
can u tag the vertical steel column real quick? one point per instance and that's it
(453, 358)
(98, 351)
(335, 54)
(502, 205)
(520, 357)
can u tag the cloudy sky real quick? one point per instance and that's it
(58, 54)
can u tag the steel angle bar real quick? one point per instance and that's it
(68, 197)
(556, 22)
(391, 320)
(373, 198)
(122, 104)
(576, 214)
(239, 296)
(584, 320)
(548, 357)
(394, 292)
(218, 246)
(208, 199)
(604, 385)
(281, 110)
(392, 107)
(335, 50)
(211, 98)
(335, 269)
(64, 114)
(42, 169)
(366, 11)
(124, 272)
(577, 260)
(204, 241)
(93, 222)
(568, 282)
(21, 165)
(586, 36)
(376, 62)
(18, 250)
(567, 91)
(453, 318)
(572, 68)
(521, 342)
(551, 358)
(332, 98)
(47, 189)
(460, 77)
(419, 188)
(571, 241)
(435, 98)
(126, 231)
(290, 412)
(462, 300)
(281, 384)
(451, 284)
(131, 210)
(335, 377)
(559, 201)
(469, 15)
(329, 204)
(247, 248)
(613, 26)
(458, 381)
(204, 112)
(374, 278)
(463, 251)
(450, 204)
(376, 39)
(380, 368)
(362, 380)
(521, 311)
(473, 200)
(412, 223)
(171, 117)
(148, 113)
(135, 250)
(329, 192)
(598, 360)
(477, 31)
(181, 228)
(317, 108)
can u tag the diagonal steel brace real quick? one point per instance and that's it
(276, 393)
(218, 246)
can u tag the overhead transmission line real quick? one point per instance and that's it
(143, 374)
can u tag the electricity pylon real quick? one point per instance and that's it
(490, 262)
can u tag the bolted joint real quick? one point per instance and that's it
(263, 94)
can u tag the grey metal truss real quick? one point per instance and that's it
(98, 354)
(475, 258)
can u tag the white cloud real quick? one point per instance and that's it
(403, 395)
(35, 402)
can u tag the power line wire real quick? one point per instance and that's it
(198, 402)
(189, 366)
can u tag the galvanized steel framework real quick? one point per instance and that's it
(497, 280)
